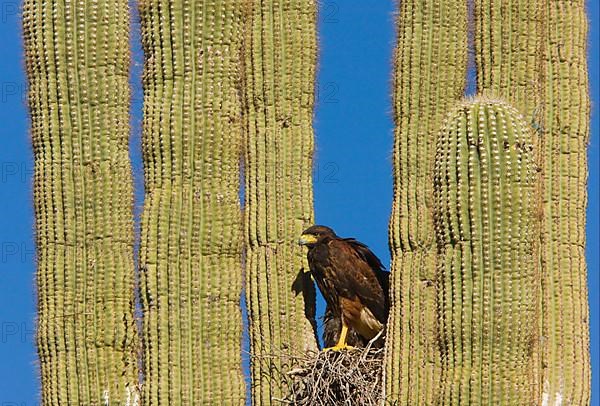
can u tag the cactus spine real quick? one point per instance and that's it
(77, 58)
(279, 83)
(488, 281)
(533, 53)
(430, 70)
(191, 242)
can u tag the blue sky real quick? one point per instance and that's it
(353, 184)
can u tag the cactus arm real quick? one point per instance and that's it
(429, 76)
(279, 83)
(488, 279)
(564, 168)
(77, 60)
(191, 245)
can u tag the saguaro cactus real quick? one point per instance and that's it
(533, 53)
(565, 134)
(488, 277)
(77, 57)
(488, 292)
(429, 77)
(279, 83)
(191, 246)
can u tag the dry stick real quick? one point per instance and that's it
(352, 377)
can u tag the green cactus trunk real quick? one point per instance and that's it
(488, 277)
(191, 244)
(508, 46)
(565, 136)
(430, 72)
(77, 58)
(533, 53)
(280, 79)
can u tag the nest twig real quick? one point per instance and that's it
(335, 378)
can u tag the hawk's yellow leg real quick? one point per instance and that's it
(341, 344)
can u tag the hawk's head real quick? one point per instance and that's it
(315, 234)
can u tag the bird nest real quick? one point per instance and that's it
(347, 377)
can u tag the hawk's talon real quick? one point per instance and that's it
(339, 348)
(341, 344)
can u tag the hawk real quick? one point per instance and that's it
(352, 280)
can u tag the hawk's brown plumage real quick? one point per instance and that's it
(351, 278)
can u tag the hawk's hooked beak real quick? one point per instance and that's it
(306, 239)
